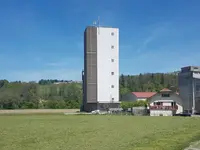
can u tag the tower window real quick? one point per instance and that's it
(113, 99)
(112, 86)
(112, 73)
(112, 34)
(112, 46)
(112, 60)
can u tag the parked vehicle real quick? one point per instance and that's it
(184, 114)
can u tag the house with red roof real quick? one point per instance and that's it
(134, 96)
(165, 103)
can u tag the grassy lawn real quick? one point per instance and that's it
(79, 132)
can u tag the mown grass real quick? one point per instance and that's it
(82, 132)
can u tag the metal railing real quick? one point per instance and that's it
(160, 107)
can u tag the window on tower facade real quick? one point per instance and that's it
(112, 34)
(112, 46)
(112, 73)
(112, 86)
(112, 60)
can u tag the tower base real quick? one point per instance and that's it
(104, 106)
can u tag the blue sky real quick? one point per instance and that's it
(44, 38)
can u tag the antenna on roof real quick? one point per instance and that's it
(98, 25)
(98, 22)
(94, 23)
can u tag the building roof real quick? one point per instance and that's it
(96, 26)
(143, 94)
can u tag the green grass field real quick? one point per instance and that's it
(87, 132)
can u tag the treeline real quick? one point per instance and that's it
(47, 94)
(20, 95)
(151, 82)
(53, 81)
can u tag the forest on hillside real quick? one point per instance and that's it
(60, 94)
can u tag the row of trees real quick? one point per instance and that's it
(151, 82)
(45, 94)
(125, 105)
(18, 95)
(51, 81)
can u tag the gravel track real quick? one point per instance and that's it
(38, 111)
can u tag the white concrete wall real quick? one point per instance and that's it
(167, 104)
(161, 112)
(151, 104)
(196, 75)
(141, 99)
(105, 66)
(180, 109)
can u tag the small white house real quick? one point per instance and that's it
(165, 103)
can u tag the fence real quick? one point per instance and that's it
(139, 111)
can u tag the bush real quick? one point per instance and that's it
(55, 104)
(125, 104)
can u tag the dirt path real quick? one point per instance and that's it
(194, 146)
(35, 111)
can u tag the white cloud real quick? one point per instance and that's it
(56, 64)
(166, 59)
(68, 68)
(156, 33)
(63, 62)
(125, 47)
(36, 75)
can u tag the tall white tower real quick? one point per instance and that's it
(101, 68)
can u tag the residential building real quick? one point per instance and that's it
(165, 103)
(189, 88)
(101, 68)
(134, 96)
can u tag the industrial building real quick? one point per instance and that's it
(189, 88)
(101, 68)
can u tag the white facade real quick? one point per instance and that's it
(165, 103)
(141, 99)
(161, 113)
(196, 75)
(165, 112)
(107, 65)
